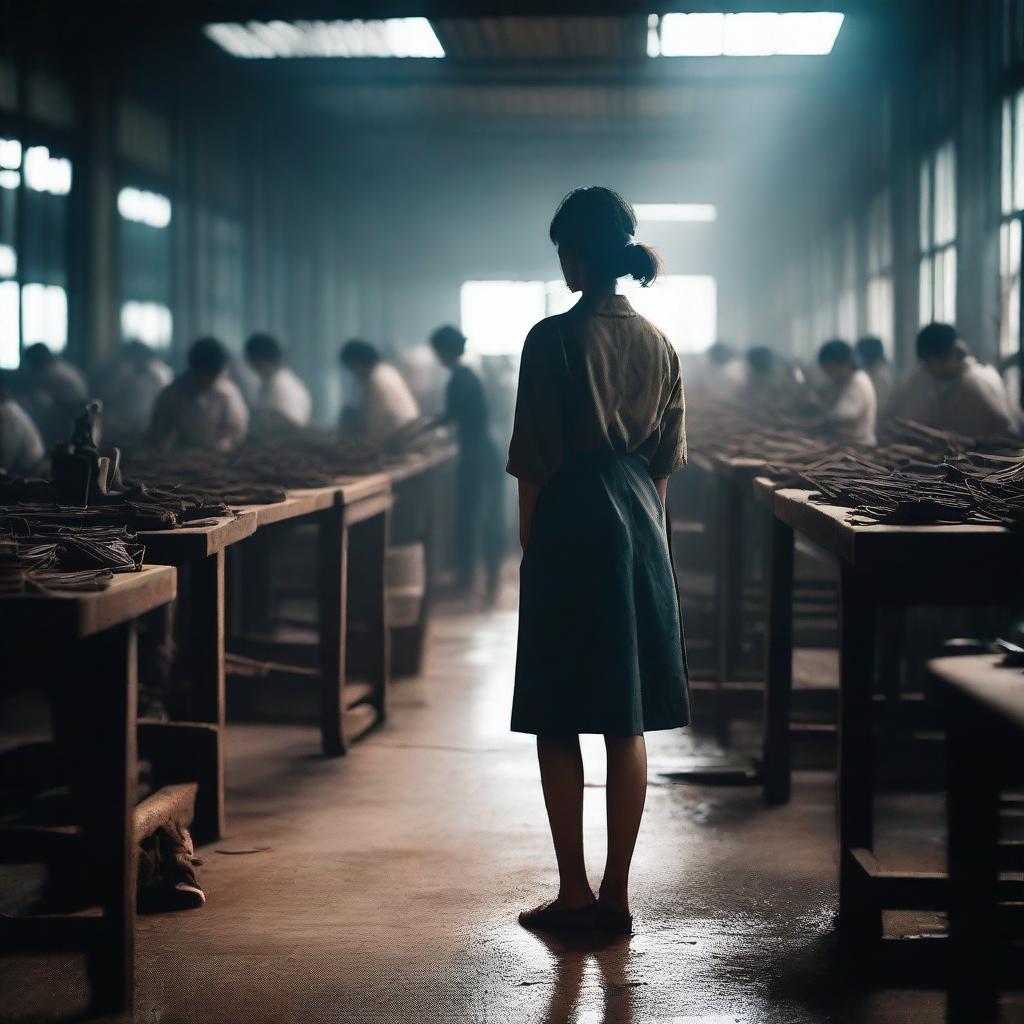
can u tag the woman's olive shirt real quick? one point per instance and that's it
(629, 398)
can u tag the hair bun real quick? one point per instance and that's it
(642, 263)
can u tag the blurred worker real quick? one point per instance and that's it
(771, 382)
(51, 391)
(129, 388)
(722, 374)
(21, 446)
(851, 407)
(385, 403)
(951, 390)
(281, 393)
(479, 508)
(202, 408)
(871, 353)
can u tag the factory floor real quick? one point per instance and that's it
(384, 887)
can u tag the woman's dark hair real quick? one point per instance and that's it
(597, 226)
(448, 342)
(357, 352)
(207, 355)
(837, 352)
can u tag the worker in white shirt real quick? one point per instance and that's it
(281, 393)
(722, 374)
(951, 390)
(129, 389)
(21, 446)
(849, 400)
(52, 391)
(385, 402)
(875, 363)
(202, 408)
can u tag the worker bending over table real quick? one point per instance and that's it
(21, 446)
(951, 390)
(384, 403)
(849, 400)
(282, 395)
(202, 408)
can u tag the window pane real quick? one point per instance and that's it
(1006, 176)
(497, 315)
(925, 212)
(945, 285)
(945, 196)
(684, 306)
(1009, 279)
(924, 314)
(1018, 151)
(44, 315)
(880, 308)
(10, 343)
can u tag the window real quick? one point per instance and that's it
(880, 307)
(34, 189)
(1012, 210)
(497, 315)
(937, 272)
(145, 254)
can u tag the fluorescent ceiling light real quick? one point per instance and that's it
(700, 212)
(394, 37)
(763, 34)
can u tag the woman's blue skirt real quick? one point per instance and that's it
(600, 639)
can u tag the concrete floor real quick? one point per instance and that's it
(387, 884)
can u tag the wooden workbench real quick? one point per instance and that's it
(351, 520)
(984, 705)
(956, 565)
(91, 662)
(423, 514)
(200, 550)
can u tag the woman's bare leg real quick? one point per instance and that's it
(626, 793)
(561, 776)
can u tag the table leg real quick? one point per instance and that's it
(369, 565)
(206, 700)
(100, 686)
(973, 815)
(332, 604)
(729, 596)
(859, 916)
(776, 766)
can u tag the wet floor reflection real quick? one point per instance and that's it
(579, 962)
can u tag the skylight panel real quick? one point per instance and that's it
(762, 34)
(694, 212)
(393, 37)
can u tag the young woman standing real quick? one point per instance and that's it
(599, 428)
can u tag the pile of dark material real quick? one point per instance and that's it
(39, 556)
(262, 469)
(138, 507)
(917, 476)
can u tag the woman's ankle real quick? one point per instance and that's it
(576, 895)
(614, 895)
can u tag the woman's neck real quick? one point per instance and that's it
(596, 292)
